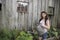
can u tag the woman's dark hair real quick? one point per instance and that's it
(46, 17)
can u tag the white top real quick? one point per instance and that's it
(42, 23)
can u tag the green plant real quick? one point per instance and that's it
(35, 35)
(5, 34)
(53, 32)
(24, 36)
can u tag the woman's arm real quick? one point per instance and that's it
(47, 26)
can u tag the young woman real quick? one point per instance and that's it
(45, 23)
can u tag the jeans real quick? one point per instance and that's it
(44, 36)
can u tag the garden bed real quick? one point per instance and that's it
(6, 34)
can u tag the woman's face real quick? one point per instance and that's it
(43, 15)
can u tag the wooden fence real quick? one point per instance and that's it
(11, 18)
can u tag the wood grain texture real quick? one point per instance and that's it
(26, 20)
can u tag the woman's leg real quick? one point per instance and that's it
(44, 36)
(40, 38)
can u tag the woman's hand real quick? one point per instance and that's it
(47, 26)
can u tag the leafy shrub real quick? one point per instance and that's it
(6, 34)
(24, 36)
(53, 32)
(35, 35)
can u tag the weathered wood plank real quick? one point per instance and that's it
(34, 12)
(53, 18)
(39, 9)
(0, 19)
(56, 13)
(43, 5)
(58, 17)
(30, 9)
(47, 4)
(3, 12)
(6, 12)
(51, 3)
(13, 17)
(26, 17)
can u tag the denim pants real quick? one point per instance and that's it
(44, 36)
